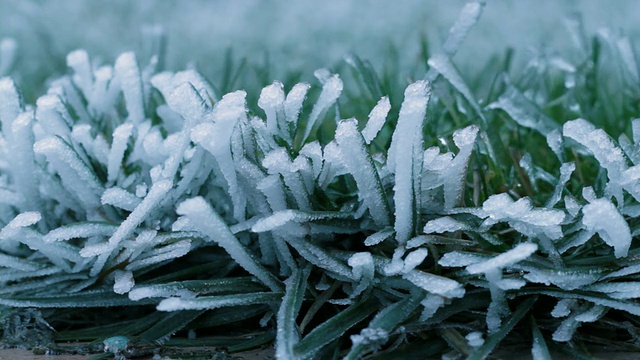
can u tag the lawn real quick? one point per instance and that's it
(404, 206)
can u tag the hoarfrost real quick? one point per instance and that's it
(121, 198)
(377, 118)
(522, 216)
(406, 144)
(460, 259)
(603, 218)
(123, 281)
(120, 138)
(356, 158)
(128, 73)
(294, 100)
(210, 224)
(272, 102)
(455, 174)
(414, 259)
(507, 258)
(444, 224)
(475, 338)
(435, 284)
(331, 90)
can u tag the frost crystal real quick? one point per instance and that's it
(377, 117)
(360, 165)
(128, 73)
(406, 144)
(510, 257)
(602, 217)
(123, 281)
(522, 216)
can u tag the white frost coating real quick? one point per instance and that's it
(23, 166)
(120, 138)
(313, 151)
(455, 174)
(564, 279)
(272, 102)
(156, 256)
(128, 73)
(565, 331)
(475, 339)
(635, 127)
(431, 304)
(210, 224)
(598, 142)
(522, 216)
(603, 218)
(554, 140)
(271, 187)
(199, 83)
(10, 105)
(377, 118)
(294, 100)
(156, 195)
(572, 206)
(123, 281)
(79, 230)
(435, 284)
(121, 198)
(566, 170)
(363, 271)
(510, 257)
(593, 314)
(414, 259)
(405, 155)
(53, 116)
(185, 100)
(444, 224)
(331, 90)
(274, 221)
(358, 161)
(460, 259)
(17, 263)
(213, 302)
(21, 220)
(281, 218)
(279, 162)
(76, 176)
(78, 60)
(226, 114)
(378, 237)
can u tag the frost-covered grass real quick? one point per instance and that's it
(367, 214)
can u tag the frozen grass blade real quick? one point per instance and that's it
(214, 302)
(382, 324)
(333, 328)
(211, 225)
(287, 335)
(405, 157)
(360, 165)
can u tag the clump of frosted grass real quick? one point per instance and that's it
(338, 225)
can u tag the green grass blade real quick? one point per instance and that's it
(213, 302)
(388, 319)
(288, 334)
(334, 328)
(492, 341)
